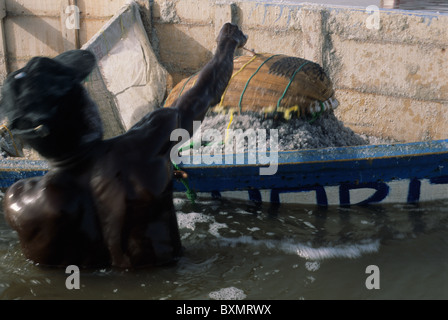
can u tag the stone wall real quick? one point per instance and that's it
(389, 67)
(391, 79)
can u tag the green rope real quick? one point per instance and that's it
(247, 83)
(316, 115)
(203, 143)
(188, 147)
(289, 84)
(191, 195)
(183, 87)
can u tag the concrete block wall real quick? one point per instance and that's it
(391, 82)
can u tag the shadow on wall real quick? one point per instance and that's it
(181, 47)
(180, 53)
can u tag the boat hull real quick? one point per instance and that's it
(393, 173)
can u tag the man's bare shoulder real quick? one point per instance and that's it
(29, 201)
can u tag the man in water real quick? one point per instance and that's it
(103, 202)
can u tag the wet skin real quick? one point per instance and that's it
(108, 202)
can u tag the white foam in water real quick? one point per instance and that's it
(189, 220)
(230, 293)
(312, 265)
(309, 224)
(214, 228)
(351, 251)
(178, 203)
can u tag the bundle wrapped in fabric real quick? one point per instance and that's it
(271, 84)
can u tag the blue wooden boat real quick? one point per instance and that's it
(408, 172)
(390, 173)
(393, 173)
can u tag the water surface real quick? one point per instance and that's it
(235, 250)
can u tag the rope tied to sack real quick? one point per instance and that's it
(289, 84)
(191, 194)
(235, 74)
(250, 78)
(316, 115)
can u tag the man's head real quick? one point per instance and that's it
(47, 107)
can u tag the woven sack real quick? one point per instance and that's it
(271, 83)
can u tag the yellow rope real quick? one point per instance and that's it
(12, 139)
(228, 126)
(289, 111)
(241, 69)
